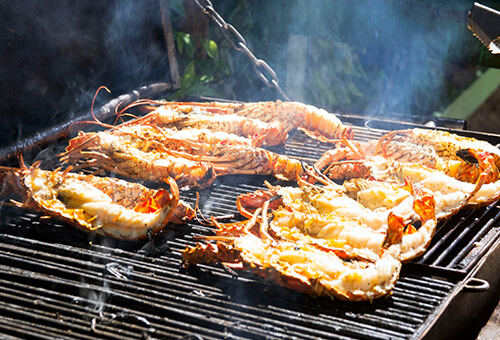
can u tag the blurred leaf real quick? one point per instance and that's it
(222, 67)
(201, 90)
(185, 42)
(206, 78)
(211, 48)
(179, 40)
(189, 75)
(205, 67)
(227, 58)
(190, 46)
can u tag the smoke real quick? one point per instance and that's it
(135, 44)
(56, 54)
(380, 56)
(410, 59)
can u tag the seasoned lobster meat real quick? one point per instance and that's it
(331, 218)
(466, 159)
(315, 122)
(106, 206)
(303, 266)
(119, 153)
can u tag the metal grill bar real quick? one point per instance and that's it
(455, 242)
(157, 296)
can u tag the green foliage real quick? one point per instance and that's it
(335, 74)
(374, 57)
(209, 66)
(198, 72)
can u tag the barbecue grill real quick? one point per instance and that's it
(59, 282)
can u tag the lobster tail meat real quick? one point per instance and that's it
(303, 267)
(106, 206)
(321, 242)
(315, 122)
(121, 154)
(176, 116)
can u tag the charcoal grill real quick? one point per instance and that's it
(58, 282)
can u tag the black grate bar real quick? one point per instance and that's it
(98, 265)
(482, 226)
(129, 296)
(154, 292)
(82, 317)
(367, 134)
(255, 329)
(165, 310)
(456, 237)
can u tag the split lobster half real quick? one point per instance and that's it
(106, 206)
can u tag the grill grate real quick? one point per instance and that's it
(106, 292)
(58, 282)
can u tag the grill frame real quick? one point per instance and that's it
(423, 306)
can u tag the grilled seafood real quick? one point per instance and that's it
(305, 267)
(342, 163)
(116, 152)
(182, 116)
(466, 159)
(332, 218)
(237, 159)
(450, 194)
(359, 160)
(143, 141)
(316, 122)
(227, 156)
(453, 190)
(383, 186)
(474, 157)
(167, 138)
(376, 195)
(106, 206)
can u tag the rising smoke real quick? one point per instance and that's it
(56, 54)
(377, 55)
(382, 56)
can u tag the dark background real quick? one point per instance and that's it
(56, 54)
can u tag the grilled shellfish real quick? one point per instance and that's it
(106, 206)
